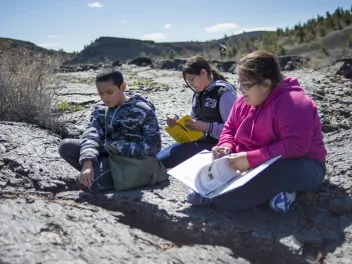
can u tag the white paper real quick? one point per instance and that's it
(187, 171)
(192, 172)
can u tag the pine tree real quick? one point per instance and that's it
(347, 18)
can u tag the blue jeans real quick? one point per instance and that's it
(290, 175)
(69, 150)
(178, 153)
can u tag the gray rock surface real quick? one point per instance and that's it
(41, 231)
(44, 219)
(29, 160)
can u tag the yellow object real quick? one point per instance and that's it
(181, 134)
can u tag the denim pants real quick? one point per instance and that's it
(69, 150)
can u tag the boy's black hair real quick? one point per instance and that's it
(108, 74)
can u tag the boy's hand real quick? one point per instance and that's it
(239, 161)
(87, 174)
(171, 120)
(196, 125)
(219, 152)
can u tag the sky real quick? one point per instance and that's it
(71, 24)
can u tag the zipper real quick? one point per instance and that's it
(201, 105)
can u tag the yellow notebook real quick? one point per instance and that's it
(181, 134)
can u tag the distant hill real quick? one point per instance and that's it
(106, 49)
(328, 35)
(6, 43)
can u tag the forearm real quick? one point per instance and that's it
(90, 146)
(215, 129)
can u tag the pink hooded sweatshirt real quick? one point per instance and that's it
(286, 124)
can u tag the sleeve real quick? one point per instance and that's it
(192, 114)
(295, 121)
(91, 142)
(225, 105)
(226, 138)
(150, 144)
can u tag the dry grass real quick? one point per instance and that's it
(25, 95)
(318, 63)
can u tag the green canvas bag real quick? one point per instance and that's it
(132, 173)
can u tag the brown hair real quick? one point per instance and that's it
(260, 65)
(195, 65)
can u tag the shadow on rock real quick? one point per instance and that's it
(309, 232)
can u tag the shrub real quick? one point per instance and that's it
(26, 87)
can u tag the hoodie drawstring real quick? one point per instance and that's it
(255, 118)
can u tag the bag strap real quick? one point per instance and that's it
(109, 149)
(106, 123)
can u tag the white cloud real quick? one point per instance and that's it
(255, 29)
(46, 45)
(225, 27)
(154, 36)
(124, 22)
(51, 36)
(95, 4)
(167, 26)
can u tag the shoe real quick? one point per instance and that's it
(196, 199)
(282, 202)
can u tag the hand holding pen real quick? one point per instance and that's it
(220, 151)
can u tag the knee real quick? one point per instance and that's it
(65, 147)
(317, 180)
(164, 154)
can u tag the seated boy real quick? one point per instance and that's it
(133, 131)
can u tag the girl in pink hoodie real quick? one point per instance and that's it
(272, 117)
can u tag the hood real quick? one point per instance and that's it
(136, 97)
(287, 85)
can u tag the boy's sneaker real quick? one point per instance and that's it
(196, 199)
(282, 202)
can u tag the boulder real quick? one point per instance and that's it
(345, 67)
(226, 66)
(116, 63)
(141, 61)
(290, 63)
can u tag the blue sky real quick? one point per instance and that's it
(70, 24)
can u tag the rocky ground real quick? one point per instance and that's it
(44, 219)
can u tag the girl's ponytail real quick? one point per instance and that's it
(217, 75)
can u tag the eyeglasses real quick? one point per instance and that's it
(190, 80)
(243, 88)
